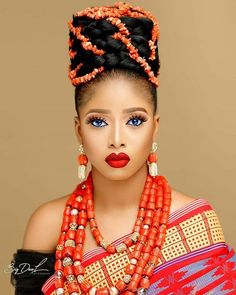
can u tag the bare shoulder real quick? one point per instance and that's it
(179, 200)
(44, 225)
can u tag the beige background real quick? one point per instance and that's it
(197, 137)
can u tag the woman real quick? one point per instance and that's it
(145, 237)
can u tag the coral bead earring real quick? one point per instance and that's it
(152, 159)
(82, 160)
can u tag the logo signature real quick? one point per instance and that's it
(26, 267)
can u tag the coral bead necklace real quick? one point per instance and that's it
(148, 237)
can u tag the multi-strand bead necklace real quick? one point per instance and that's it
(148, 237)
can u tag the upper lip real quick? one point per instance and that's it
(115, 157)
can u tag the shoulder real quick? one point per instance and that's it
(44, 225)
(179, 200)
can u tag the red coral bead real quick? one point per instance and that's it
(59, 282)
(78, 269)
(102, 291)
(83, 160)
(92, 223)
(120, 285)
(132, 286)
(68, 270)
(149, 271)
(128, 242)
(58, 254)
(64, 226)
(111, 249)
(73, 287)
(58, 265)
(144, 283)
(130, 269)
(68, 251)
(152, 157)
(70, 234)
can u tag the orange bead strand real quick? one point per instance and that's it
(113, 15)
(148, 237)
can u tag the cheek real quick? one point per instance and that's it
(94, 142)
(142, 135)
(142, 142)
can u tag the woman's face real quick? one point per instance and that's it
(118, 118)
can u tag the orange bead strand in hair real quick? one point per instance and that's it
(113, 14)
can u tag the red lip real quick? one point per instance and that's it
(117, 161)
(115, 157)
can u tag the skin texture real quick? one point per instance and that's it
(117, 191)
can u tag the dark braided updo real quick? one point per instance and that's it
(112, 41)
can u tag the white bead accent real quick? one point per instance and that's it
(70, 278)
(127, 278)
(153, 171)
(60, 291)
(104, 244)
(79, 198)
(154, 147)
(135, 236)
(67, 261)
(146, 226)
(81, 171)
(121, 248)
(74, 212)
(142, 291)
(77, 263)
(81, 226)
(92, 291)
(70, 243)
(133, 261)
(80, 278)
(59, 274)
(114, 291)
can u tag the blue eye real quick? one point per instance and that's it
(96, 122)
(137, 120)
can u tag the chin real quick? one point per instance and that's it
(114, 173)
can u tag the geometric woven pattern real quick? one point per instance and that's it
(196, 232)
(195, 229)
(108, 270)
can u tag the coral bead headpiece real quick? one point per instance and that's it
(113, 14)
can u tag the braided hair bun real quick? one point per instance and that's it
(107, 37)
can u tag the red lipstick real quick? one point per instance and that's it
(117, 161)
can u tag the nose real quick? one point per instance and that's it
(117, 136)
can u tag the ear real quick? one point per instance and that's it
(78, 129)
(156, 123)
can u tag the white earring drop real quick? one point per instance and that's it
(83, 160)
(152, 161)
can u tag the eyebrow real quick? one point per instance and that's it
(129, 110)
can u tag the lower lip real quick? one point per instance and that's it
(117, 163)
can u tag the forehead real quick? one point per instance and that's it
(118, 94)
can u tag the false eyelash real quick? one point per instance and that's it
(94, 117)
(139, 116)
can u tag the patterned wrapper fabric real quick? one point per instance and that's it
(195, 257)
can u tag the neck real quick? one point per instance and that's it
(116, 195)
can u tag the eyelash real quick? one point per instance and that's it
(95, 117)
